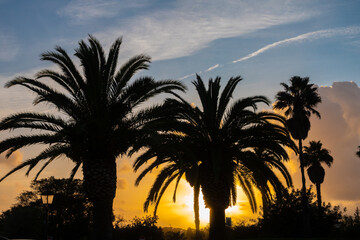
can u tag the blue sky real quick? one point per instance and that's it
(184, 37)
(266, 42)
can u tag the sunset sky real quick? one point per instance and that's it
(266, 42)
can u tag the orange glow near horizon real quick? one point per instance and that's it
(184, 208)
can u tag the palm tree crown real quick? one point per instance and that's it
(217, 142)
(316, 154)
(299, 101)
(97, 121)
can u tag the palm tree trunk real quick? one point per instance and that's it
(303, 180)
(319, 202)
(217, 224)
(304, 200)
(102, 219)
(100, 188)
(196, 209)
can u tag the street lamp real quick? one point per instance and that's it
(47, 199)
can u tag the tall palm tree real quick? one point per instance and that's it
(299, 100)
(96, 121)
(314, 155)
(222, 140)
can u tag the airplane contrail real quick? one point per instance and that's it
(310, 36)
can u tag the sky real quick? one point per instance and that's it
(266, 42)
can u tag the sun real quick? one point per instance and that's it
(204, 212)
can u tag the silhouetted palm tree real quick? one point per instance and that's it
(222, 140)
(299, 101)
(97, 121)
(314, 155)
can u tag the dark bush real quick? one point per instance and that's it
(144, 227)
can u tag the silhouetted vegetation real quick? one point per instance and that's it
(98, 121)
(22, 222)
(144, 227)
(215, 144)
(299, 100)
(351, 225)
(218, 145)
(284, 220)
(314, 155)
(285, 217)
(69, 214)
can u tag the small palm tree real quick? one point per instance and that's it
(314, 155)
(299, 100)
(97, 120)
(219, 141)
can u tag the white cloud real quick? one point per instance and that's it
(307, 36)
(84, 10)
(9, 47)
(192, 25)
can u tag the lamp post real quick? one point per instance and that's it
(47, 199)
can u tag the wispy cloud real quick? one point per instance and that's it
(9, 47)
(189, 26)
(311, 36)
(307, 36)
(84, 10)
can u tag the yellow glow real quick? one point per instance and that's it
(204, 213)
(234, 210)
(129, 203)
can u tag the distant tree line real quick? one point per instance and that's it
(70, 218)
(69, 214)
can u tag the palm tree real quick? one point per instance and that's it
(96, 121)
(299, 101)
(222, 141)
(314, 155)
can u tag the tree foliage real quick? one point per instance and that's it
(97, 119)
(284, 218)
(138, 227)
(217, 141)
(69, 214)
